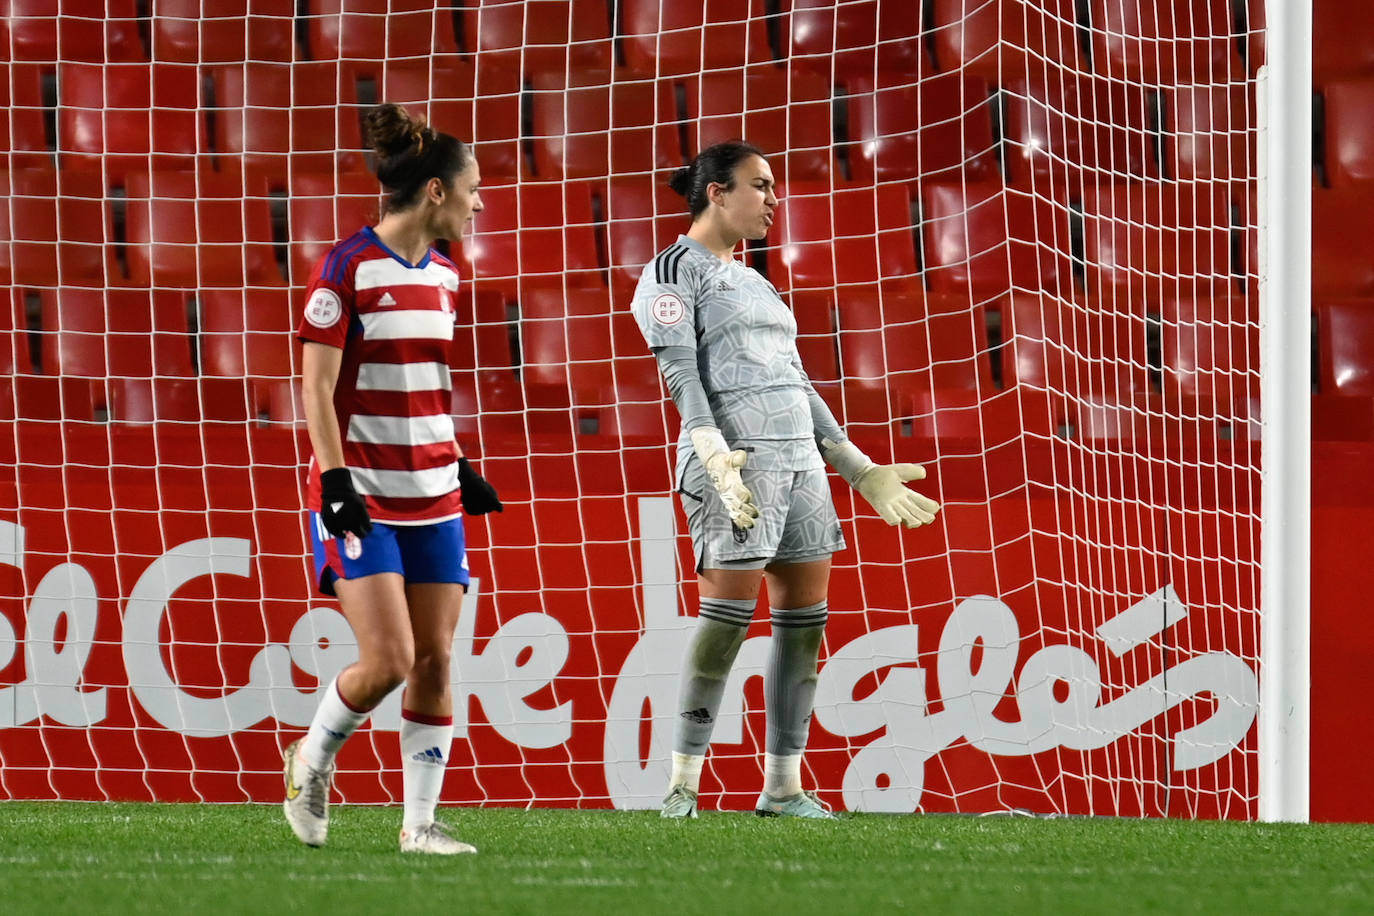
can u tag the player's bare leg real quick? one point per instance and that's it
(427, 717)
(376, 609)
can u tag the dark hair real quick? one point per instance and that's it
(713, 165)
(409, 153)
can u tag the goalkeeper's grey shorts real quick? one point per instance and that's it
(797, 520)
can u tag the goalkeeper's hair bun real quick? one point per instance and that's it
(408, 152)
(713, 165)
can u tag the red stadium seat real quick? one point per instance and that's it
(15, 355)
(132, 333)
(247, 333)
(226, 31)
(154, 400)
(1211, 357)
(1063, 128)
(1345, 344)
(1210, 132)
(687, 38)
(579, 350)
(1341, 265)
(1006, 41)
(62, 228)
(817, 343)
(643, 216)
(825, 236)
(480, 105)
(1343, 407)
(1165, 42)
(94, 31)
(541, 36)
(536, 234)
(201, 229)
(379, 29)
(585, 127)
(1255, 36)
(988, 240)
(857, 38)
(938, 128)
(929, 374)
(1349, 127)
(129, 118)
(788, 115)
(1157, 240)
(26, 92)
(277, 118)
(1081, 370)
(1343, 39)
(323, 209)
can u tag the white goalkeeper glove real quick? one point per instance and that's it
(883, 485)
(723, 465)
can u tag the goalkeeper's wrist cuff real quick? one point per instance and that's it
(708, 441)
(846, 459)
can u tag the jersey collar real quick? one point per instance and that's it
(697, 246)
(376, 240)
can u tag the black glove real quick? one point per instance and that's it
(479, 497)
(341, 508)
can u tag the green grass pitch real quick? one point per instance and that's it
(129, 858)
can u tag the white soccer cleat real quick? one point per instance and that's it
(435, 840)
(804, 805)
(680, 803)
(307, 797)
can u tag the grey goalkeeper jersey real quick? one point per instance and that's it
(745, 339)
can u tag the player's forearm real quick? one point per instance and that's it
(319, 374)
(680, 372)
(823, 420)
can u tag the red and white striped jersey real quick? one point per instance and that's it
(394, 322)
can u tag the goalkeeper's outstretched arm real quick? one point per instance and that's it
(882, 485)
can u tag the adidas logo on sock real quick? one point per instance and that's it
(433, 755)
(701, 716)
(387, 299)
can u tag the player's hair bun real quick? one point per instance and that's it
(408, 153)
(392, 131)
(681, 182)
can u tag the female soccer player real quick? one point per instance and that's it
(388, 480)
(749, 471)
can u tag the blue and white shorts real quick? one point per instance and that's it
(419, 553)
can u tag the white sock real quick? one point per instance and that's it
(782, 775)
(334, 721)
(425, 745)
(686, 771)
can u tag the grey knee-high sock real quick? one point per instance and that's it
(710, 654)
(789, 683)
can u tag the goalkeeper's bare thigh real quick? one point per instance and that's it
(796, 519)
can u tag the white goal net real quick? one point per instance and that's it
(1019, 239)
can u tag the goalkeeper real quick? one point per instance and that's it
(388, 482)
(750, 472)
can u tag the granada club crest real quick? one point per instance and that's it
(445, 300)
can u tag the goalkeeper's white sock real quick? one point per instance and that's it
(334, 721)
(782, 775)
(425, 744)
(687, 771)
(789, 692)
